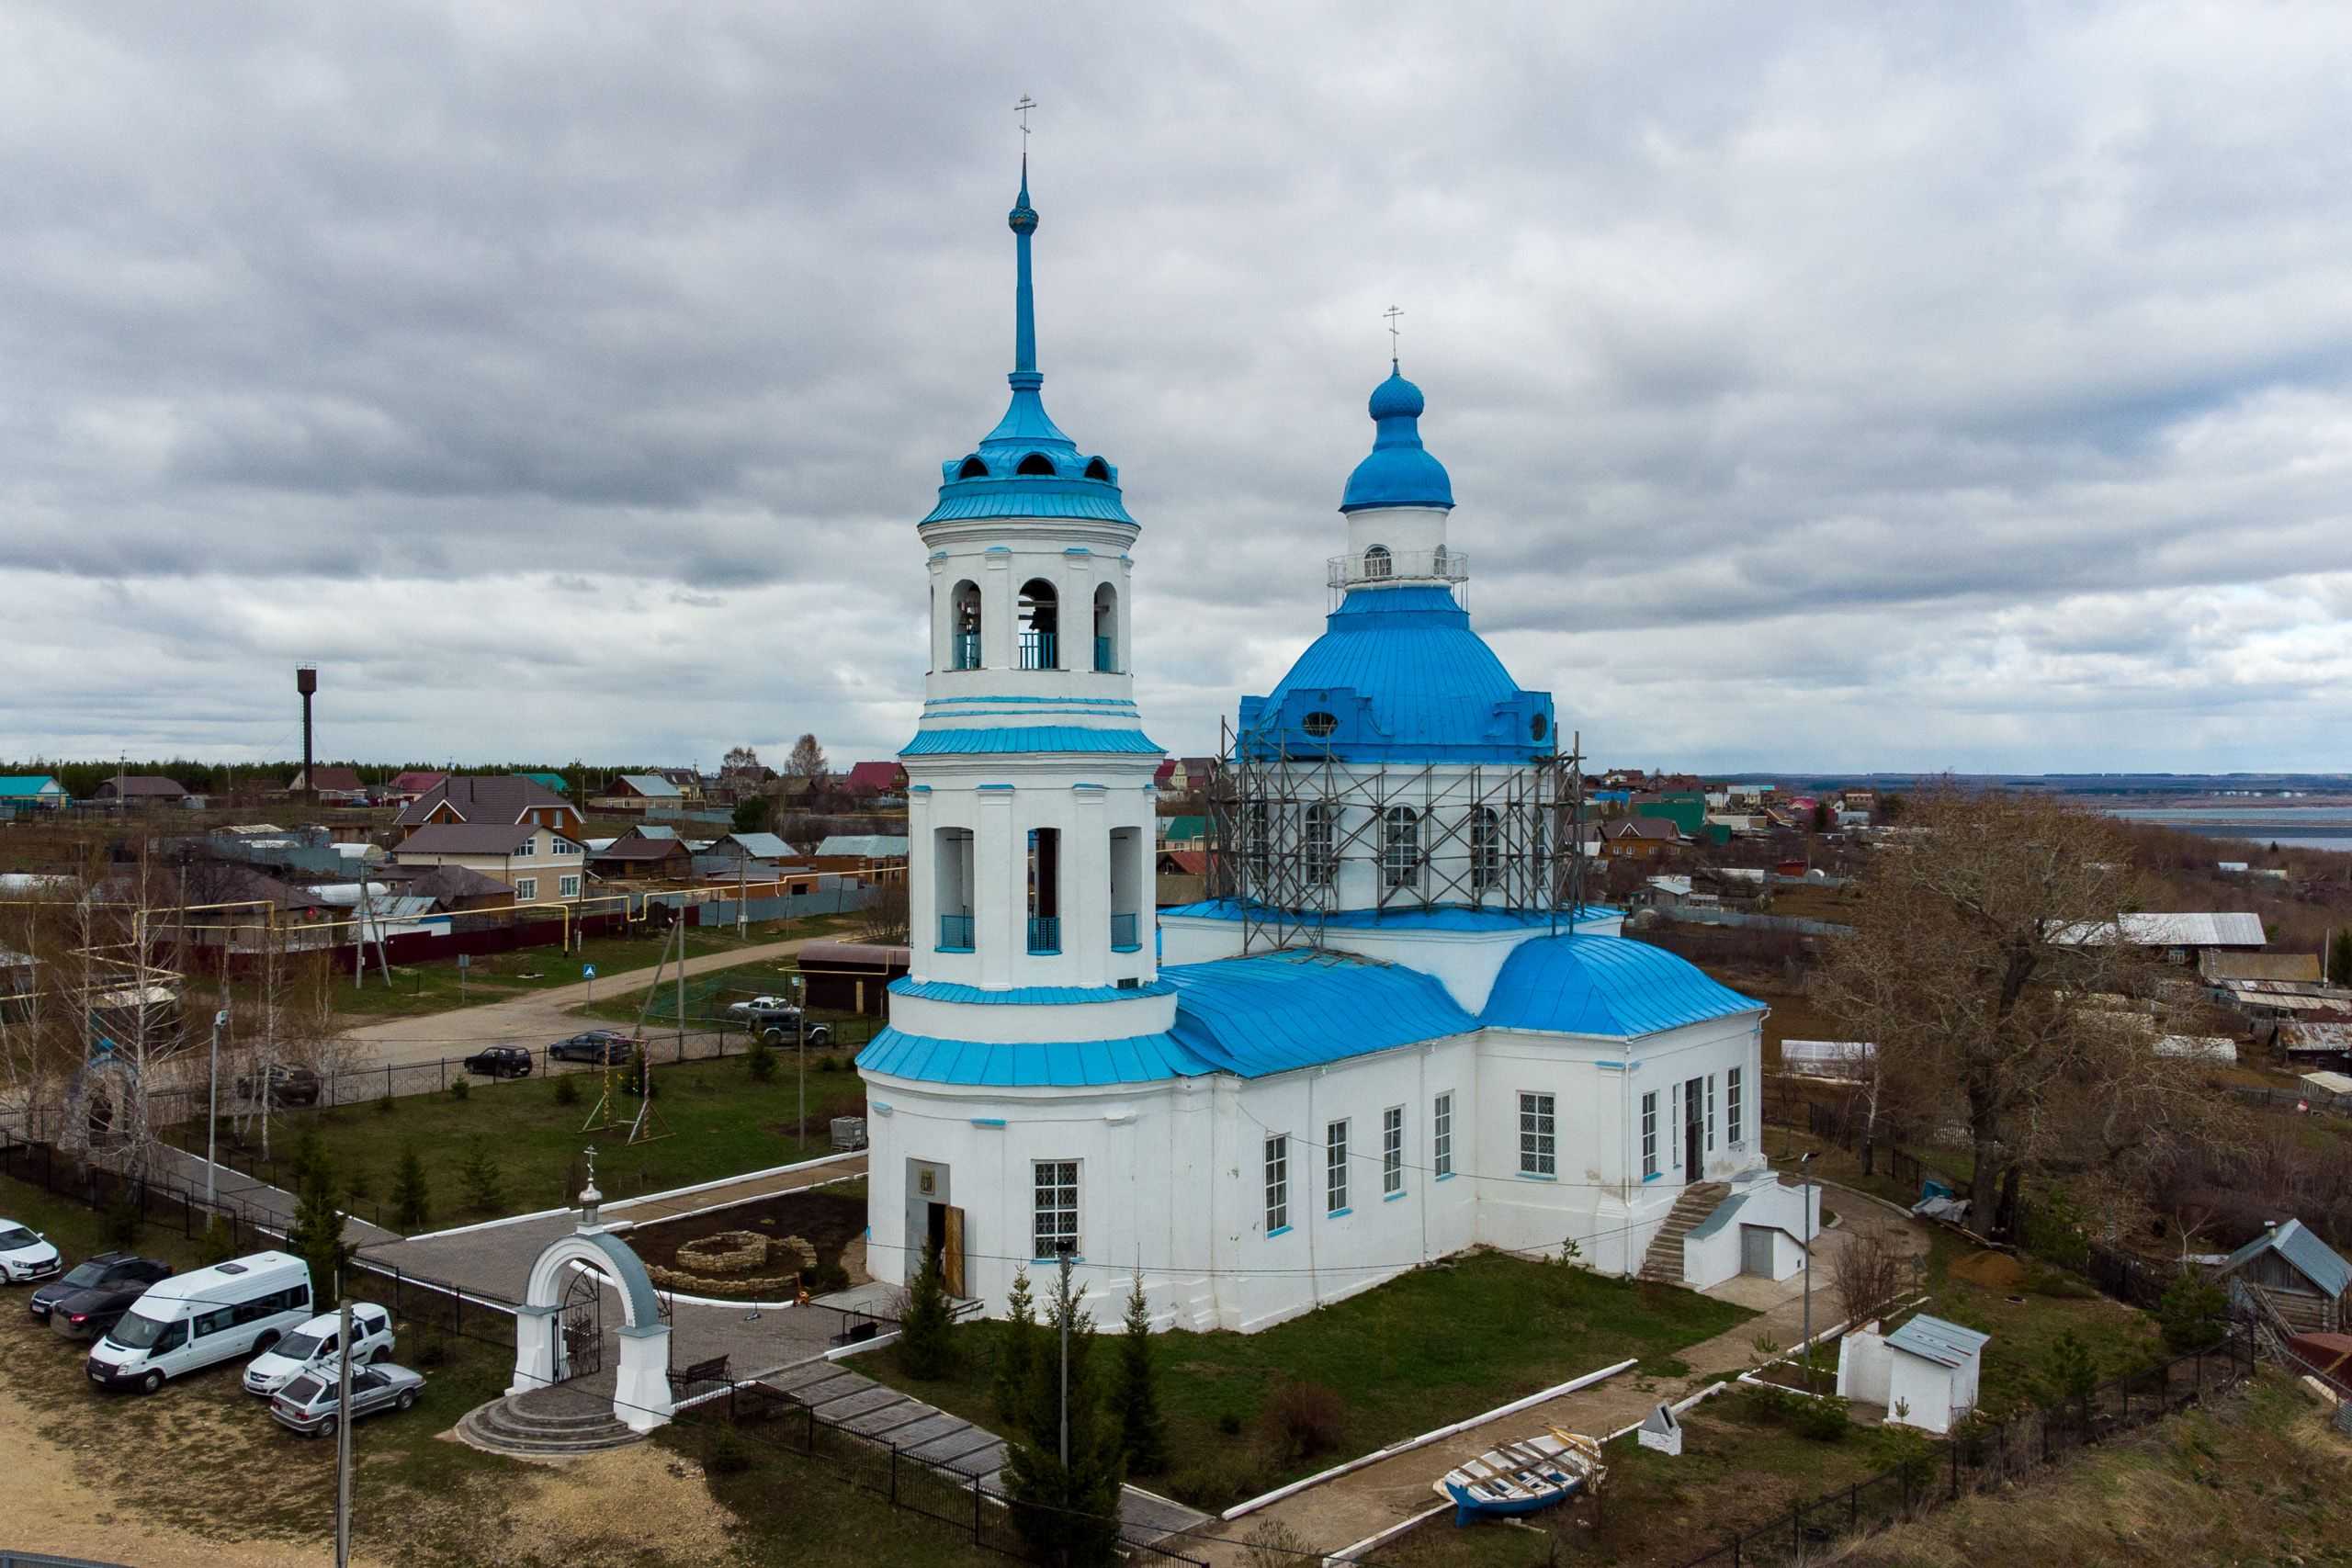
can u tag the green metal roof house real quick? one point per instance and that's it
(29, 792)
(553, 781)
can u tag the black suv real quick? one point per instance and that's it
(781, 1026)
(288, 1085)
(501, 1062)
(107, 1275)
(605, 1047)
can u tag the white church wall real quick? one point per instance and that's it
(1033, 1021)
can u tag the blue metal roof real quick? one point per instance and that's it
(1400, 471)
(1605, 986)
(1056, 995)
(1938, 1340)
(1283, 1010)
(1060, 481)
(1445, 917)
(26, 784)
(2313, 1257)
(1398, 675)
(1076, 1063)
(1027, 737)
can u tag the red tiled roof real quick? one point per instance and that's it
(873, 778)
(335, 779)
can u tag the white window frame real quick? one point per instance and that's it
(1053, 1208)
(1732, 1108)
(1392, 1152)
(1539, 1133)
(1335, 1167)
(1321, 823)
(1400, 847)
(526, 889)
(1711, 1113)
(1649, 1134)
(529, 848)
(1441, 1135)
(1278, 1183)
(568, 886)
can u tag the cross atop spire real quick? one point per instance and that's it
(1391, 313)
(1023, 221)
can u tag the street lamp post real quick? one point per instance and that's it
(212, 1107)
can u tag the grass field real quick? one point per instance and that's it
(420, 988)
(721, 1122)
(1431, 1346)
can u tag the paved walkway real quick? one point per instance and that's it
(952, 1445)
(1352, 1507)
(257, 1199)
(537, 1017)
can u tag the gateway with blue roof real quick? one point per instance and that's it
(1394, 1032)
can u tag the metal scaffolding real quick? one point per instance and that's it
(1289, 822)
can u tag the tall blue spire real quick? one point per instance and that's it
(1022, 221)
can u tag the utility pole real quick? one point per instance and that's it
(1065, 1311)
(801, 1014)
(343, 1431)
(1805, 1166)
(212, 1109)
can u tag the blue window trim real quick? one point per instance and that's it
(1653, 1176)
(988, 1121)
(945, 949)
(1054, 1262)
(1007, 788)
(1446, 1176)
(1534, 1175)
(1278, 1230)
(1392, 1197)
(1338, 1214)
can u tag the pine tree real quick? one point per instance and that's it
(1142, 1432)
(926, 1347)
(484, 1188)
(411, 1197)
(1018, 1348)
(317, 1236)
(1068, 1514)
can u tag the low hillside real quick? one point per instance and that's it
(2254, 1477)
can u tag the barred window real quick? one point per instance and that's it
(1392, 1151)
(1400, 848)
(1732, 1107)
(1320, 861)
(1537, 1142)
(1441, 1135)
(1486, 849)
(1334, 1167)
(1054, 1227)
(1649, 1134)
(1278, 1182)
(1711, 1113)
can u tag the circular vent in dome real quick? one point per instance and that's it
(1537, 725)
(1319, 724)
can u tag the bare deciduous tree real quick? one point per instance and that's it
(1866, 1273)
(1988, 957)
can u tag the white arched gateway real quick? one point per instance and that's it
(642, 1395)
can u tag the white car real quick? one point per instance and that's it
(760, 1004)
(318, 1340)
(25, 1255)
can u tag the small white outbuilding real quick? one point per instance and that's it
(1925, 1372)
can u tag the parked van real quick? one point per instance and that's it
(191, 1321)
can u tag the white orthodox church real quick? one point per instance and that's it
(1393, 1034)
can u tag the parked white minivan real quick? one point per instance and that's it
(190, 1321)
(319, 1340)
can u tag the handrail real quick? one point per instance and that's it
(1397, 566)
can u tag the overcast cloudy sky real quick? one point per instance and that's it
(1861, 386)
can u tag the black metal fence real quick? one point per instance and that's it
(159, 1199)
(1985, 1457)
(776, 1421)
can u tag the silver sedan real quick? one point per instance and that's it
(309, 1405)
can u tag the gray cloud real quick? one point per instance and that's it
(1867, 387)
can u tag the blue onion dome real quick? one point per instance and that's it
(1400, 471)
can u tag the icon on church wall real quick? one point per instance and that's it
(927, 1183)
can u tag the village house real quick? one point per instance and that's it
(403, 787)
(641, 792)
(331, 783)
(21, 793)
(536, 863)
(490, 800)
(871, 857)
(866, 782)
(2299, 1276)
(643, 853)
(141, 789)
(1638, 838)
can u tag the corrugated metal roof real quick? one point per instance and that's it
(2166, 929)
(650, 783)
(1945, 1343)
(2313, 1257)
(1605, 986)
(1056, 995)
(26, 786)
(1077, 1064)
(760, 846)
(873, 846)
(1271, 1015)
(1028, 738)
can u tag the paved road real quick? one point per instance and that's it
(1352, 1507)
(538, 1017)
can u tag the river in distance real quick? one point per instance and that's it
(2288, 827)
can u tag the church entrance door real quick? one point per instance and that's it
(1694, 1130)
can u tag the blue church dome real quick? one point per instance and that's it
(1400, 471)
(1606, 985)
(1398, 675)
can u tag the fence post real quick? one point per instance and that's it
(894, 1475)
(1796, 1529)
(1853, 1505)
(976, 1510)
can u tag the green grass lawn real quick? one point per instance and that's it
(791, 1509)
(721, 1122)
(1431, 1346)
(420, 988)
(708, 995)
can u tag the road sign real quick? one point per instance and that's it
(587, 971)
(464, 961)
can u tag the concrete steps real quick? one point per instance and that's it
(503, 1427)
(1662, 1264)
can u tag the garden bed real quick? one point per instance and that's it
(832, 1221)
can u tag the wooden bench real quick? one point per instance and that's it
(684, 1377)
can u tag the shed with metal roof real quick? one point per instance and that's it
(2299, 1275)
